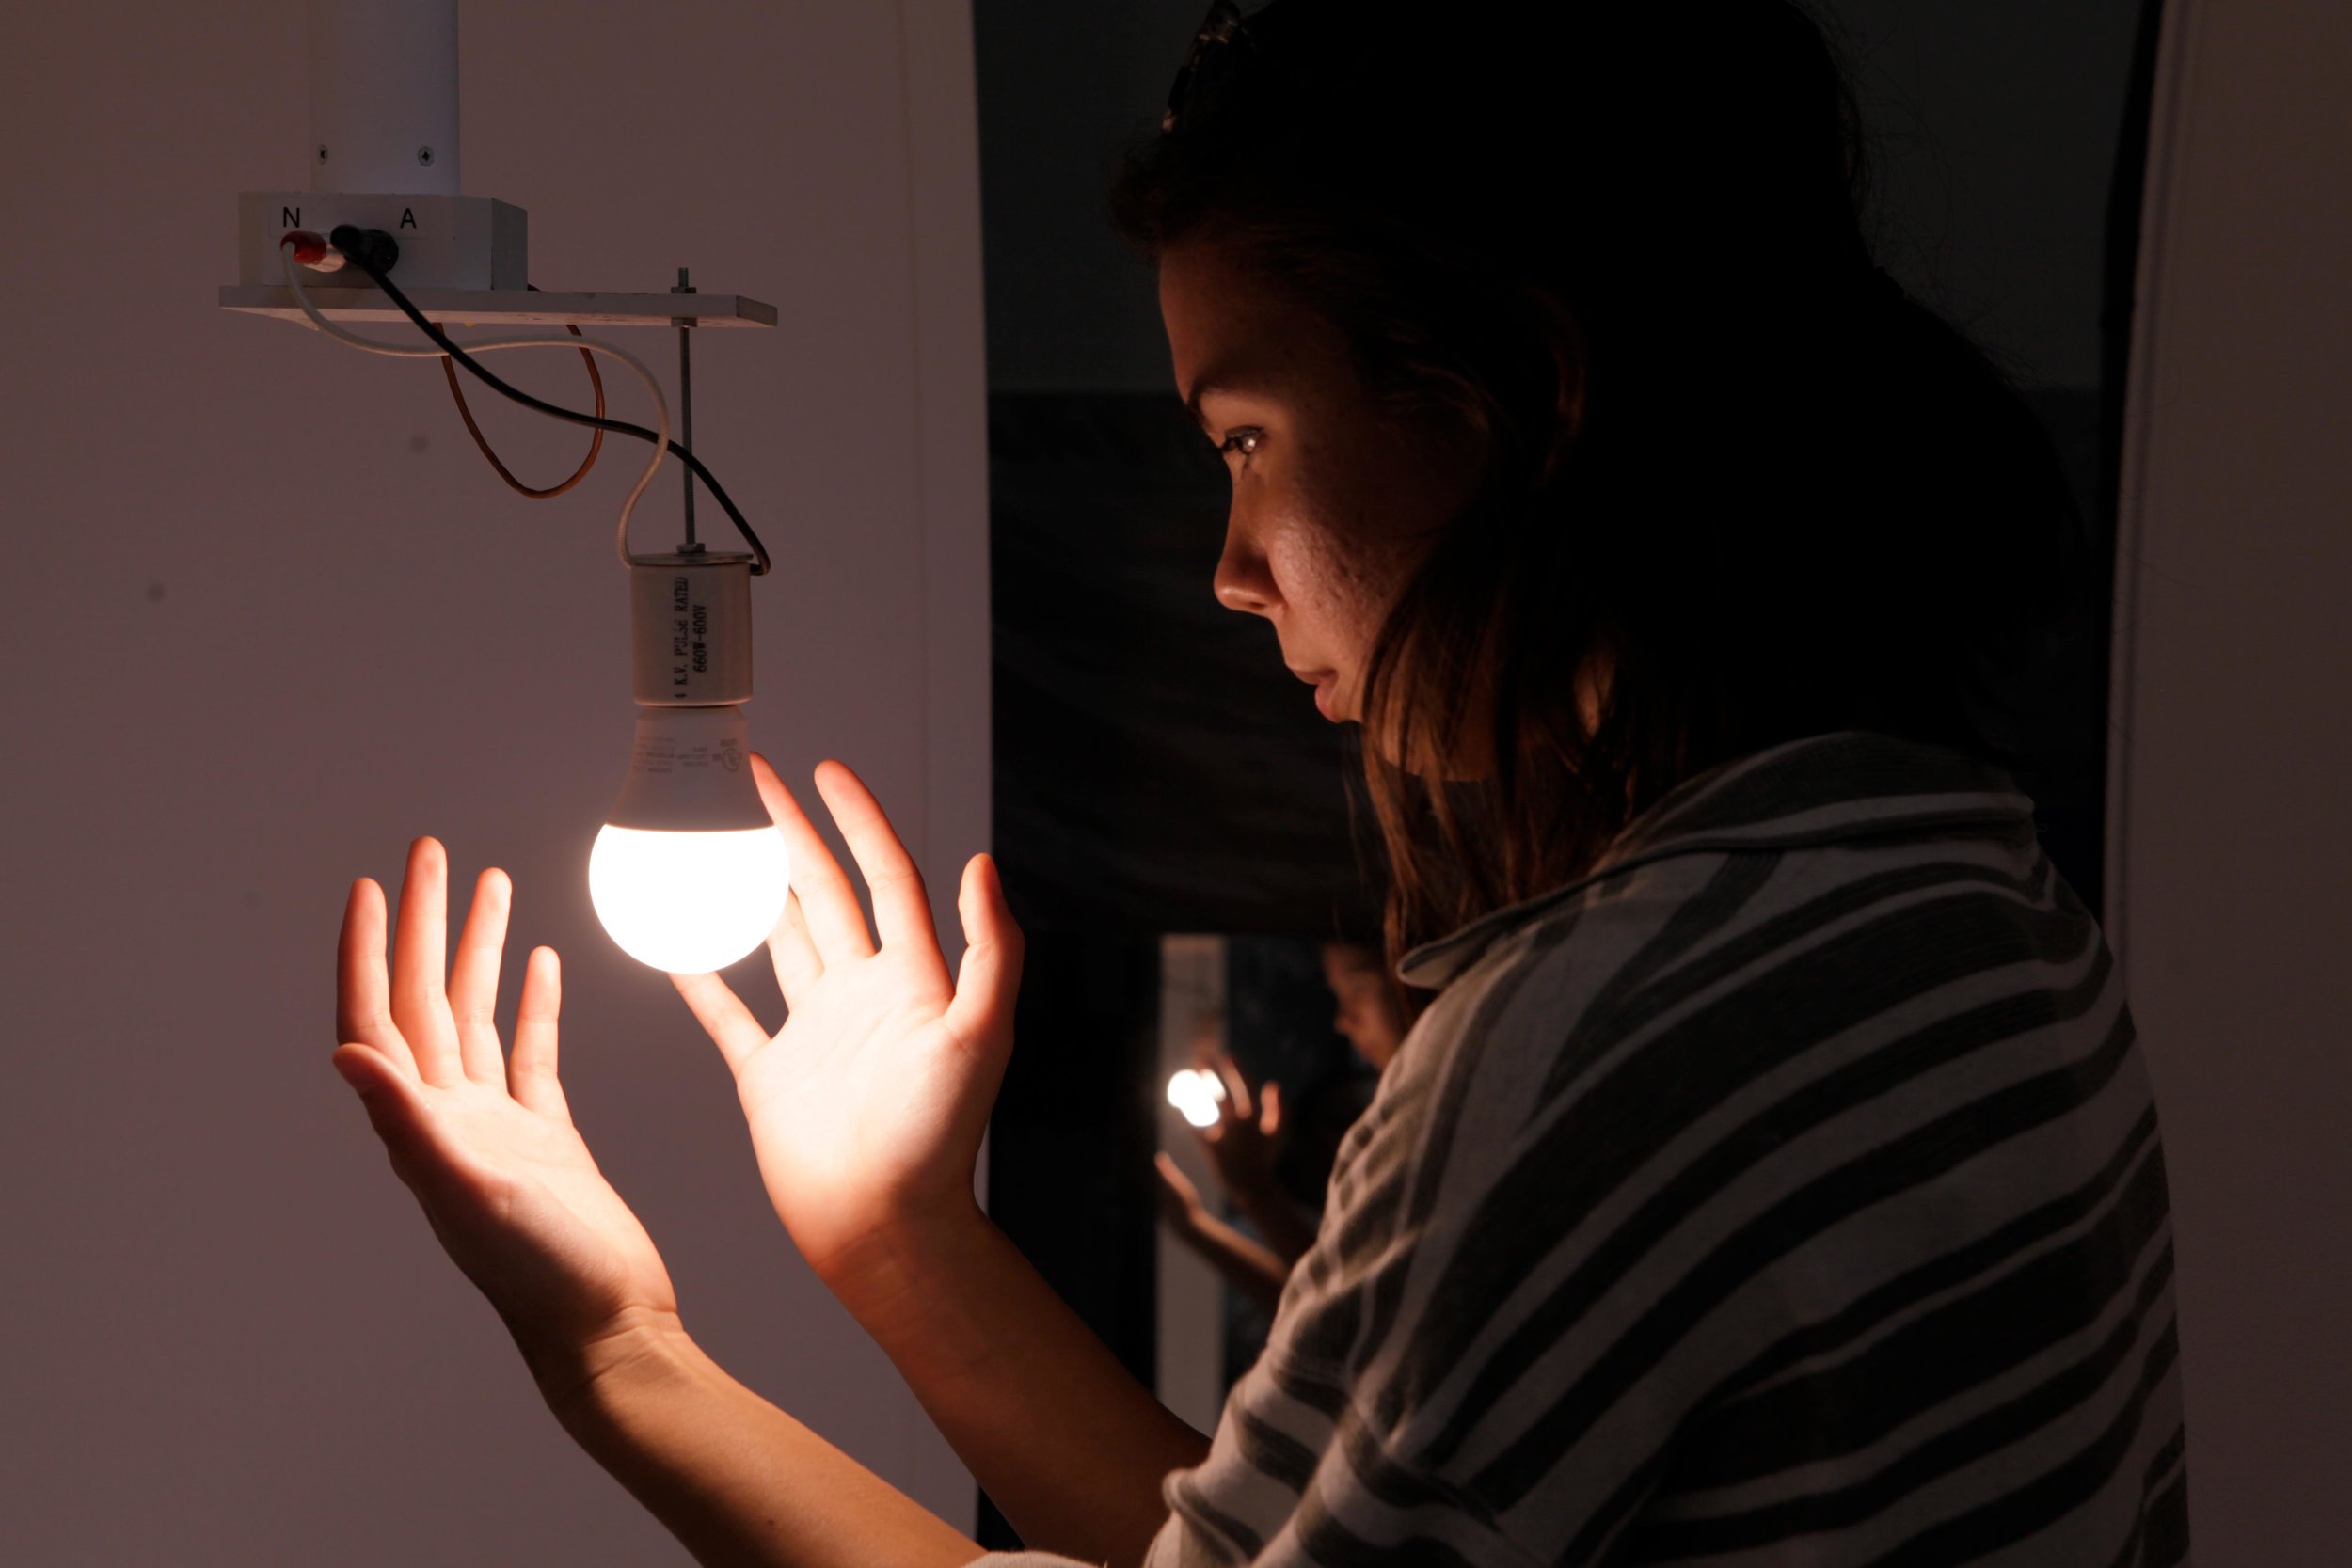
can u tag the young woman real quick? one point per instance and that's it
(1772, 1179)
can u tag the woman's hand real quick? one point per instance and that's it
(1244, 1141)
(866, 1108)
(485, 1141)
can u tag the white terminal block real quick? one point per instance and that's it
(384, 154)
(446, 241)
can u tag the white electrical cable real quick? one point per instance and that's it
(404, 351)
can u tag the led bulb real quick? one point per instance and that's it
(687, 903)
(689, 874)
(1198, 1095)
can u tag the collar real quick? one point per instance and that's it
(1822, 790)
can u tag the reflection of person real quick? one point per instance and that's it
(1772, 1177)
(1244, 1141)
(1370, 1014)
(1240, 1144)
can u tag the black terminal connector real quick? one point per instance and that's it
(372, 248)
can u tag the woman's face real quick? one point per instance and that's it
(1365, 1011)
(1333, 507)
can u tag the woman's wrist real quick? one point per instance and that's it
(905, 1279)
(892, 1255)
(580, 1370)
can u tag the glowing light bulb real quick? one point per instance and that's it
(689, 875)
(1198, 1094)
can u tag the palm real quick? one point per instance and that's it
(533, 1214)
(486, 1143)
(1243, 1143)
(854, 1097)
(869, 1104)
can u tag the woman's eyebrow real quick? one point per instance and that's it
(1213, 383)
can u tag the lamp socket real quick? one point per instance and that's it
(690, 628)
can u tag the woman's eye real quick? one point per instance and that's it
(1243, 441)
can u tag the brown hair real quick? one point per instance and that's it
(1740, 488)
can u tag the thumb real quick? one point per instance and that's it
(389, 1101)
(1270, 1108)
(368, 1070)
(989, 979)
(1173, 1179)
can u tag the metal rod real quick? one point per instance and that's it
(686, 403)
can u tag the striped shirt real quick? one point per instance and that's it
(1787, 1190)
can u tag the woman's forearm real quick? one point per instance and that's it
(738, 1482)
(1069, 1445)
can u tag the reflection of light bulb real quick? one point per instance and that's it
(1197, 1094)
(689, 874)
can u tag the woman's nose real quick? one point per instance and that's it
(1242, 581)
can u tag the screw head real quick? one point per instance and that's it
(425, 156)
(322, 152)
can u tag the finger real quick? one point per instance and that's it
(836, 925)
(473, 978)
(1270, 1108)
(530, 1072)
(419, 953)
(1236, 1087)
(902, 910)
(729, 1023)
(363, 1007)
(989, 980)
(797, 967)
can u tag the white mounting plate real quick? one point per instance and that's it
(505, 306)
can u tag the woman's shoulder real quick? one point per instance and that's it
(1814, 955)
(1812, 1048)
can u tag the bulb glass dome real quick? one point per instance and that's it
(688, 902)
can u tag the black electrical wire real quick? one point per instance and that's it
(364, 248)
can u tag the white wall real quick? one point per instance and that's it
(1189, 1363)
(2232, 852)
(267, 616)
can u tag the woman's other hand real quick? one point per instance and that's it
(483, 1140)
(1244, 1141)
(866, 1108)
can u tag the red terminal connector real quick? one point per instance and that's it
(312, 250)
